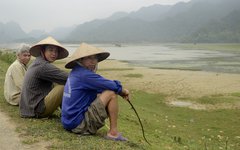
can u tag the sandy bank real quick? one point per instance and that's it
(176, 83)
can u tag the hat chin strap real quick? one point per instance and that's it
(96, 68)
(78, 63)
(42, 53)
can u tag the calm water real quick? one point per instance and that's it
(159, 56)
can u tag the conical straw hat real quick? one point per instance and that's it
(36, 49)
(85, 50)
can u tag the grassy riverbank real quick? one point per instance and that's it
(208, 46)
(166, 126)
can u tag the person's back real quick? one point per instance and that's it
(15, 75)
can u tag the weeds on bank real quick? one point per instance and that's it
(134, 75)
(208, 46)
(218, 99)
(168, 68)
(115, 69)
(7, 57)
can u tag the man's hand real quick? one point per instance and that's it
(124, 94)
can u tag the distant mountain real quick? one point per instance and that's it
(226, 29)
(194, 21)
(11, 31)
(158, 23)
(151, 13)
(117, 15)
(85, 29)
(186, 18)
(37, 33)
(61, 33)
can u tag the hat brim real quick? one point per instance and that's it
(100, 56)
(36, 50)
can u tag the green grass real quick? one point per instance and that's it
(165, 127)
(134, 75)
(236, 94)
(217, 99)
(7, 57)
(115, 69)
(168, 68)
(206, 46)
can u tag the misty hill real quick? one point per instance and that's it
(195, 21)
(10, 32)
(60, 33)
(226, 29)
(37, 34)
(152, 13)
(158, 23)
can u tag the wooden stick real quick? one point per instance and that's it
(139, 121)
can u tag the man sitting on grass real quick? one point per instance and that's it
(15, 75)
(39, 97)
(89, 98)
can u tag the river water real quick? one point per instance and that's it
(160, 56)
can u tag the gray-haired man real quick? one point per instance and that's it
(15, 75)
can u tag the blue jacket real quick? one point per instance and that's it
(80, 91)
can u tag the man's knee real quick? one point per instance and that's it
(107, 95)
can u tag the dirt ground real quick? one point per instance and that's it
(11, 140)
(176, 83)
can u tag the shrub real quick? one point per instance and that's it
(8, 57)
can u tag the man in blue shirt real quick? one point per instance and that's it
(89, 98)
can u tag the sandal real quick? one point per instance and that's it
(118, 138)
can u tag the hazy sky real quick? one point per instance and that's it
(49, 14)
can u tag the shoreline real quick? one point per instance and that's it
(181, 88)
(178, 83)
